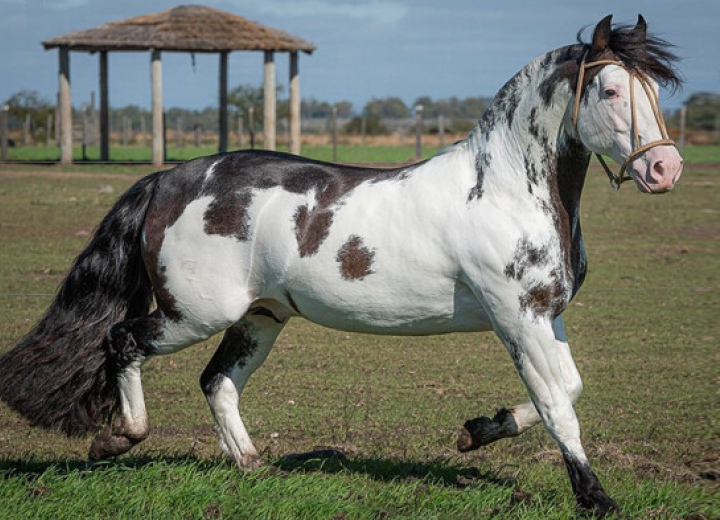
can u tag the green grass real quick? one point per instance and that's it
(644, 332)
(345, 153)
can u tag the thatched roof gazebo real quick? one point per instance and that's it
(187, 28)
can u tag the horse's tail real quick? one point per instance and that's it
(60, 375)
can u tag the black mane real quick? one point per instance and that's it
(651, 55)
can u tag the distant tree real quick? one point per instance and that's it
(703, 111)
(373, 126)
(27, 102)
(391, 108)
(311, 108)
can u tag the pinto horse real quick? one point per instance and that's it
(483, 236)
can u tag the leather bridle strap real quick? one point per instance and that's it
(617, 180)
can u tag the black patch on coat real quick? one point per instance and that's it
(586, 487)
(526, 255)
(227, 215)
(236, 347)
(482, 162)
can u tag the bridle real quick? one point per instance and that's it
(617, 180)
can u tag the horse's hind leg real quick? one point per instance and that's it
(242, 350)
(519, 418)
(130, 343)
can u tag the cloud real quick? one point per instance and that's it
(376, 11)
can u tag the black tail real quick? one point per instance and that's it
(60, 376)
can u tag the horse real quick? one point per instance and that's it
(484, 236)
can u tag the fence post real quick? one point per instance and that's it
(683, 117)
(363, 129)
(251, 126)
(240, 130)
(418, 131)
(4, 133)
(48, 126)
(441, 130)
(179, 132)
(26, 130)
(334, 133)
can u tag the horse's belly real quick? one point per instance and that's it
(398, 309)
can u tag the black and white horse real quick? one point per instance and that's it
(484, 236)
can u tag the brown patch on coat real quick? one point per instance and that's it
(311, 228)
(547, 298)
(355, 259)
(227, 216)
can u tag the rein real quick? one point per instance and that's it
(617, 180)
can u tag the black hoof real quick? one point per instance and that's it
(599, 505)
(483, 430)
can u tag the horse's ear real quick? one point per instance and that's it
(641, 28)
(601, 36)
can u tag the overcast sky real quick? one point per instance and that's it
(365, 48)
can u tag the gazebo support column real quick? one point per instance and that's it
(269, 101)
(65, 109)
(294, 104)
(158, 145)
(104, 109)
(223, 146)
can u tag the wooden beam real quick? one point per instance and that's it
(294, 104)
(223, 146)
(66, 141)
(269, 101)
(4, 112)
(104, 108)
(157, 110)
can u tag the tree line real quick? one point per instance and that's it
(702, 111)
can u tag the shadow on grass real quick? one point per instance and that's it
(330, 462)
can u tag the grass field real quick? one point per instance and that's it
(644, 332)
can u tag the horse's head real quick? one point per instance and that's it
(616, 110)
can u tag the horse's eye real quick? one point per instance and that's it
(610, 92)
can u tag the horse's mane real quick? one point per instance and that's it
(651, 55)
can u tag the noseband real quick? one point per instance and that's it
(617, 180)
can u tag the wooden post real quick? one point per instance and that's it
(197, 135)
(104, 109)
(48, 131)
(363, 130)
(66, 137)
(85, 130)
(223, 144)
(26, 130)
(251, 126)
(143, 131)
(4, 132)
(294, 104)
(240, 130)
(334, 133)
(269, 101)
(418, 131)
(125, 131)
(179, 132)
(158, 146)
(683, 119)
(441, 130)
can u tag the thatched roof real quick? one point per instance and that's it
(188, 28)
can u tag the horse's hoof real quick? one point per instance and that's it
(483, 430)
(105, 445)
(599, 504)
(251, 463)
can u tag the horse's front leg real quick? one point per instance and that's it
(532, 345)
(511, 422)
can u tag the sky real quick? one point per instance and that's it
(365, 48)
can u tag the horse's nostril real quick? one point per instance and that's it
(659, 168)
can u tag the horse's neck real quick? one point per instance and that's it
(521, 145)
